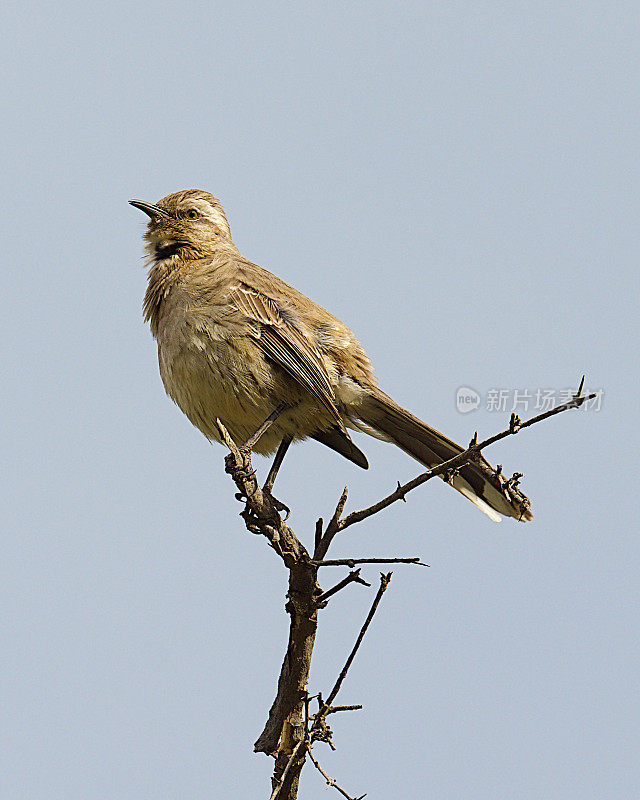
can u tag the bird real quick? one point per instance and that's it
(238, 344)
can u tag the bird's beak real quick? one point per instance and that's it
(149, 208)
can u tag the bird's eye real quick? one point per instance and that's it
(192, 213)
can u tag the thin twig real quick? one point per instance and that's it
(336, 709)
(323, 543)
(351, 578)
(318, 533)
(252, 441)
(226, 438)
(331, 781)
(307, 700)
(351, 562)
(384, 582)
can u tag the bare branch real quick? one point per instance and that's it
(323, 543)
(294, 674)
(384, 582)
(331, 781)
(289, 731)
(351, 562)
(336, 709)
(318, 534)
(226, 438)
(281, 732)
(351, 578)
(286, 734)
(252, 441)
(320, 731)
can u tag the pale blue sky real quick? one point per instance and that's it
(459, 183)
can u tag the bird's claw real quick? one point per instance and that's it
(278, 504)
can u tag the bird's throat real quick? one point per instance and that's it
(165, 250)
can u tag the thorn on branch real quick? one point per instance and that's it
(578, 398)
(254, 529)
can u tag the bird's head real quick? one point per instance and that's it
(185, 225)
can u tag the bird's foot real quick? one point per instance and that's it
(243, 471)
(277, 504)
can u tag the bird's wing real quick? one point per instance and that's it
(286, 345)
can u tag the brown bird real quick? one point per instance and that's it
(236, 343)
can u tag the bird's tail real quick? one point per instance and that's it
(478, 481)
